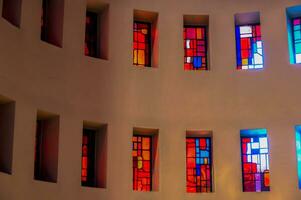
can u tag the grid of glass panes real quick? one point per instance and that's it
(142, 163)
(249, 47)
(255, 163)
(198, 164)
(195, 46)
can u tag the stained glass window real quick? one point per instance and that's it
(88, 158)
(142, 163)
(297, 39)
(195, 46)
(198, 164)
(249, 47)
(91, 38)
(255, 160)
(298, 151)
(142, 44)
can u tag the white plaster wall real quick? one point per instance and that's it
(63, 81)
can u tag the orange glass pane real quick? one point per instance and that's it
(141, 57)
(146, 143)
(146, 155)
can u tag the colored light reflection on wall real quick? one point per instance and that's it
(249, 47)
(142, 163)
(297, 39)
(255, 160)
(195, 46)
(298, 152)
(198, 165)
(142, 44)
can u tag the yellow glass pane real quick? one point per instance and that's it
(244, 61)
(140, 162)
(141, 57)
(135, 57)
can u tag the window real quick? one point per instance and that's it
(142, 163)
(11, 11)
(88, 155)
(298, 152)
(145, 159)
(91, 42)
(198, 164)
(293, 18)
(249, 45)
(195, 42)
(7, 119)
(46, 147)
(255, 160)
(52, 22)
(297, 39)
(145, 39)
(94, 155)
(97, 30)
(142, 44)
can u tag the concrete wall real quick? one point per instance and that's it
(62, 80)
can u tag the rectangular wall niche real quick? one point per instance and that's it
(94, 155)
(46, 147)
(97, 30)
(145, 159)
(11, 11)
(255, 160)
(7, 120)
(199, 162)
(52, 22)
(298, 153)
(249, 45)
(196, 28)
(293, 18)
(145, 39)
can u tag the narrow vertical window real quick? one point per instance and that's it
(142, 44)
(255, 160)
(7, 120)
(88, 158)
(293, 18)
(44, 20)
(297, 39)
(298, 153)
(91, 41)
(195, 45)
(52, 18)
(94, 155)
(142, 163)
(145, 39)
(46, 147)
(97, 30)
(249, 45)
(198, 164)
(11, 11)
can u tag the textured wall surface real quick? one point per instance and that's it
(64, 81)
